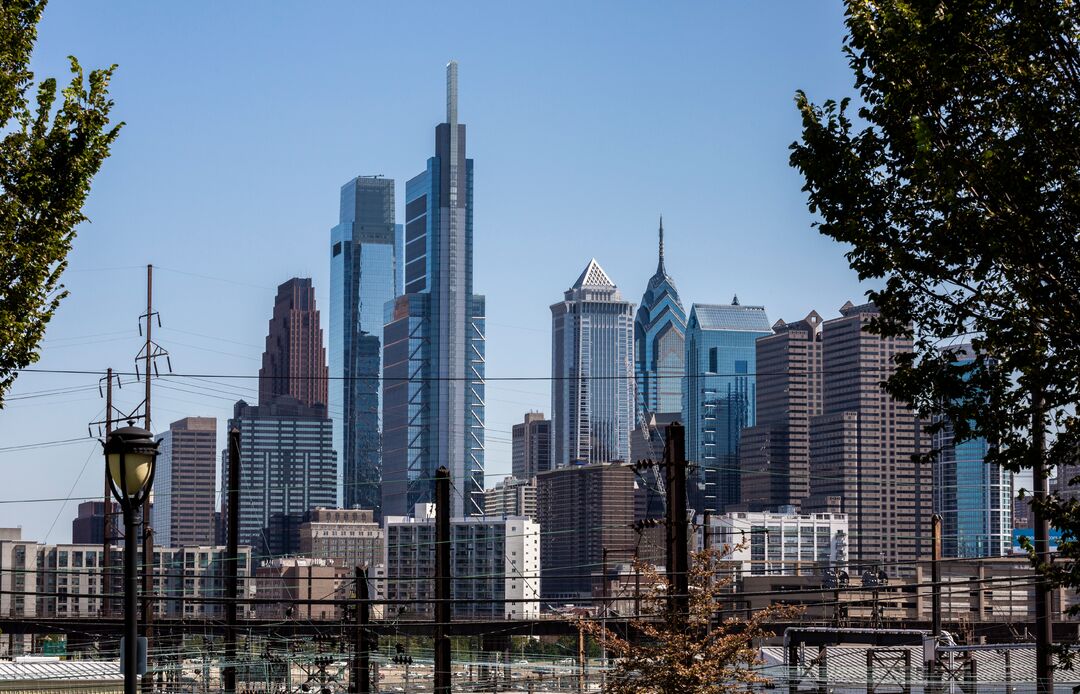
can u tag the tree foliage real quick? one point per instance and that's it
(49, 154)
(956, 185)
(692, 653)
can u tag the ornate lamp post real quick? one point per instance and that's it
(129, 459)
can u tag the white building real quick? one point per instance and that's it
(65, 580)
(494, 562)
(762, 543)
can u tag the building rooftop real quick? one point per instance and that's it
(730, 317)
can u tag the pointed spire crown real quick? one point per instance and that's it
(660, 263)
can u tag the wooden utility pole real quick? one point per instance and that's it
(106, 518)
(442, 581)
(935, 574)
(148, 530)
(581, 658)
(232, 499)
(1044, 636)
(677, 560)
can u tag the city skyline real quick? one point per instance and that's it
(393, 138)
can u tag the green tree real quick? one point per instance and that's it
(956, 186)
(48, 156)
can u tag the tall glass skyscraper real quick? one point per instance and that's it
(720, 396)
(364, 277)
(660, 343)
(974, 499)
(433, 346)
(592, 388)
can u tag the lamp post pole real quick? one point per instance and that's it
(129, 461)
(131, 587)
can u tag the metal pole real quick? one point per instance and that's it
(678, 562)
(148, 529)
(232, 500)
(603, 622)
(131, 605)
(1044, 637)
(442, 581)
(361, 674)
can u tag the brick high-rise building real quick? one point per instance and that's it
(294, 362)
(861, 448)
(531, 446)
(88, 527)
(774, 455)
(184, 483)
(582, 510)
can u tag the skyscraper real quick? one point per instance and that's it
(660, 343)
(287, 467)
(184, 483)
(364, 278)
(774, 454)
(433, 341)
(592, 388)
(294, 362)
(720, 396)
(531, 446)
(287, 460)
(861, 448)
(973, 498)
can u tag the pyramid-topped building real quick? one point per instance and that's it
(592, 394)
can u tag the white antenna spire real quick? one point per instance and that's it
(451, 92)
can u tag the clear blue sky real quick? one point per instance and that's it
(586, 121)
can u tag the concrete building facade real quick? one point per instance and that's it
(861, 448)
(531, 446)
(582, 509)
(184, 483)
(495, 563)
(774, 454)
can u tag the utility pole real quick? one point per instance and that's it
(106, 518)
(232, 499)
(1044, 636)
(603, 621)
(148, 530)
(581, 658)
(361, 674)
(935, 574)
(677, 560)
(442, 581)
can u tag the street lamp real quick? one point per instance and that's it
(129, 461)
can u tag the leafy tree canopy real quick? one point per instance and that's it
(956, 185)
(49, 154)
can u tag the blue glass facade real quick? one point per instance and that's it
(364, 277)
(660, 344)
(434, 338)
(287, 467)
(973, 498)
(720, 396)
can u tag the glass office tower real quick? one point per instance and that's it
(592, 386)
(974, 499)
(660, 343)
(364, 277)
(433, 346)
(720, 396)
